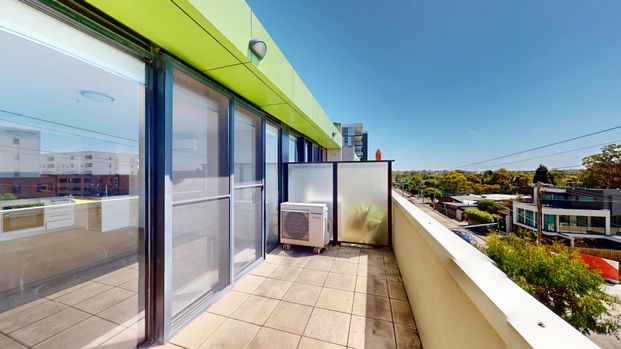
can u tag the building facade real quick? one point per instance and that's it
(143, 148)
(574, 213)
(355, 143)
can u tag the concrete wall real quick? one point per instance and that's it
(460, 299)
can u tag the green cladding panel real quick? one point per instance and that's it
(213, 36)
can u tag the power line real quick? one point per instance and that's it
(553, 154)
(539, 147)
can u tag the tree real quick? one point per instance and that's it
(413, 183)
(542, 175)
(481, 217)
(522, 180)
(432, 193)
(603, 170)
(558, 278)
(502, 178)
(453, 182)
(489, 206)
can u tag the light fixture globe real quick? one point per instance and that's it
(258, 47)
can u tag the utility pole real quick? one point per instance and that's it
(539, 213)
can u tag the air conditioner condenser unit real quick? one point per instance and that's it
(304, 224)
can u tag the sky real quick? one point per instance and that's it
(443, 84)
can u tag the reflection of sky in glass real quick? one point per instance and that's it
(44, 94)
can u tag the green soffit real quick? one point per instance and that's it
(213, 37)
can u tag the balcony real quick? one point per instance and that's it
(346, 296)
(357, 297)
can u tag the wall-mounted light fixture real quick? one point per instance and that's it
(258, 47)
(333, 134)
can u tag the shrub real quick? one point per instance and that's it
(489, 206)
(558, 278)
(482, 217)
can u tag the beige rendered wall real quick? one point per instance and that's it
(445, 316)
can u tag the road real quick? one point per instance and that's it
(446, 221)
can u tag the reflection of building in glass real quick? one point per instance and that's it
(89, 163)
(19, 152)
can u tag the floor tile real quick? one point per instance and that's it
(264, 269)
(371, 260)
(29, 316)
(372, 285)
(226, 305)
(255, 309)
(302, 294)
(312, 277)
(401, 312)
(104, 300)
(407, 337)
(248, 283)
(286, 273)
(133, 285)
(370, 333)
(327, 325)
(341, 281)
(372, 306)
(268, 338)
(393, 274)
(322, 264)
(274, 259)
(49, 326)
(8, 343)
(123, 313)
(194, 334)
(346, 256)
(231, 334)
(371, 270)
(289, 317)
(310, 343)
(396, 290)
(344, 268)
(273, 288)
(298, 262)
(89, 333)
(83, 294)
(129, 338)
(334, 299)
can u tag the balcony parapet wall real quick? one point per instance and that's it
(460, 299)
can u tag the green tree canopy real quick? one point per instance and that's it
(476, 215)
(603, 170)
(558, 278)
(432, 193)
(489, 206)
(453, 182)
(501, 177)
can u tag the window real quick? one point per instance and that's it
(293, 148)
(549, 222)
(200, 184)
(65, 90)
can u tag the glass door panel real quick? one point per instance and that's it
(248, 187)
(271, 185)
(200, 191)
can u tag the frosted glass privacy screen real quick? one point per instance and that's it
(363, 202)
(312, 183)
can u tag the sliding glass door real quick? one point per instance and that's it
(248, 187)
(272, 151)
(200, 191)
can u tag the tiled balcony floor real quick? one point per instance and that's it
(345, 297)
(94, 308)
